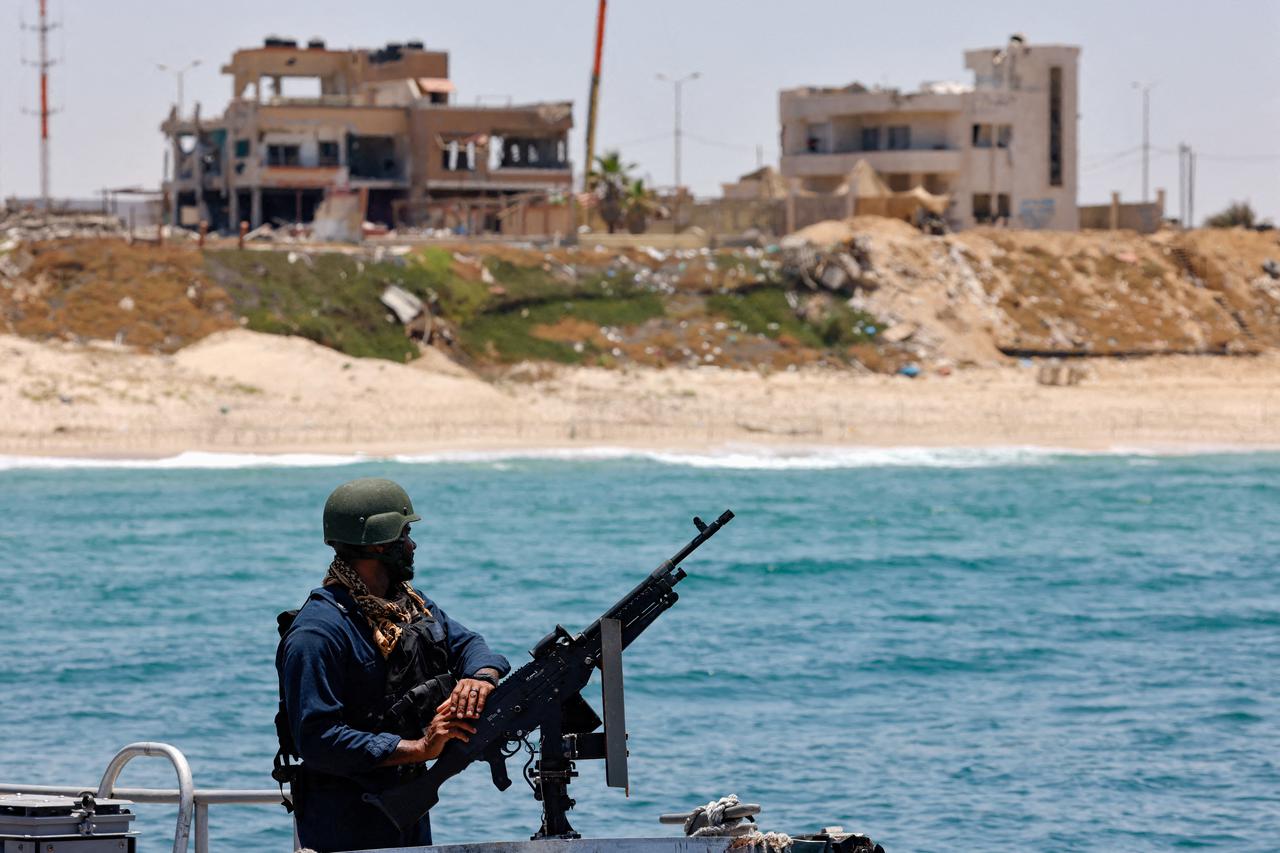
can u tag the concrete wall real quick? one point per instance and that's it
(1143, 217)
(736, 216)
(432, 128)
(341, 72)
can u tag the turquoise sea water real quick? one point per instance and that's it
(996, 650)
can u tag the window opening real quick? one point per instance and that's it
(284, 155)
(1055, 126)
(982, 207)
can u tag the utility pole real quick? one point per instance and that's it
(1146, 135)
(43, 64)
(1182, 184)
(179, 73)
(678, 84)
(1191, 188)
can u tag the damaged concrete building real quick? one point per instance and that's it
(305, 121)
(1004, 148)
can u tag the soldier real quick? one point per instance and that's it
(375, 679)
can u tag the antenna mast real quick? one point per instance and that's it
(42, 33)
(43, 30)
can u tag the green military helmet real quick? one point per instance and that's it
(368, 511)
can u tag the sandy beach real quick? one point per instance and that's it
(241, 391)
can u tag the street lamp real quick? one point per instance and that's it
(179, 73)
(677, 83)
(1145, 88)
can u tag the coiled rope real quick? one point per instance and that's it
(730, 817)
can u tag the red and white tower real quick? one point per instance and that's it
(43, 64)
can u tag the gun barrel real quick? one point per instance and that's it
(669, 569)
(704, 533)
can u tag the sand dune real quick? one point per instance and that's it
(240, 390)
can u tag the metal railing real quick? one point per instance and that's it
(193, 803)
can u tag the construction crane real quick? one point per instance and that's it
(594, 98)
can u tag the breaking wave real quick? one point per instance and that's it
(761, 457)
(192, 459)
(731, 457)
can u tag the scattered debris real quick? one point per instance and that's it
(338, 218)
(26, 226)
(1060, 374)
(402, 303)
(832, 258)
(899, 333)
(262, 232)
(864, 294)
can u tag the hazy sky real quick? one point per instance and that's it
(1214, 65)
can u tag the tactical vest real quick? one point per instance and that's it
(418, 680)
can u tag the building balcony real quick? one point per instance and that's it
(315, 101)
(917, 161)
(303, 176)
(550, 170)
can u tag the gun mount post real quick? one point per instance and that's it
(551, 774)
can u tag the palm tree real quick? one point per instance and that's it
(610, 180)
(640, 205)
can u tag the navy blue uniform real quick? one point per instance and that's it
(333, 679)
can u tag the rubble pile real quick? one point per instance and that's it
(843, 267)
(886, 269)
(987, 293)
(27, 226)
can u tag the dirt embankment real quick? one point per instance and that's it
(868, 293)
(156, 299)
(986, 292)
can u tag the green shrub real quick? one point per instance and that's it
(1237, 213)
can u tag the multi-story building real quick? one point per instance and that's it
(378, 122)
(1004, 148)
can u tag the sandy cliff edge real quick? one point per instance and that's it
(240, 391)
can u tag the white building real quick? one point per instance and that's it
(1003, 148)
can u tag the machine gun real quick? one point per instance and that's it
(545, 694)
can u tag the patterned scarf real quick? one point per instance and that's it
(385, 617)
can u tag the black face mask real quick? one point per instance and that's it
(398, 558)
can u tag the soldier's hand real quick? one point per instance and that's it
(444, 728)
(467, 700)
